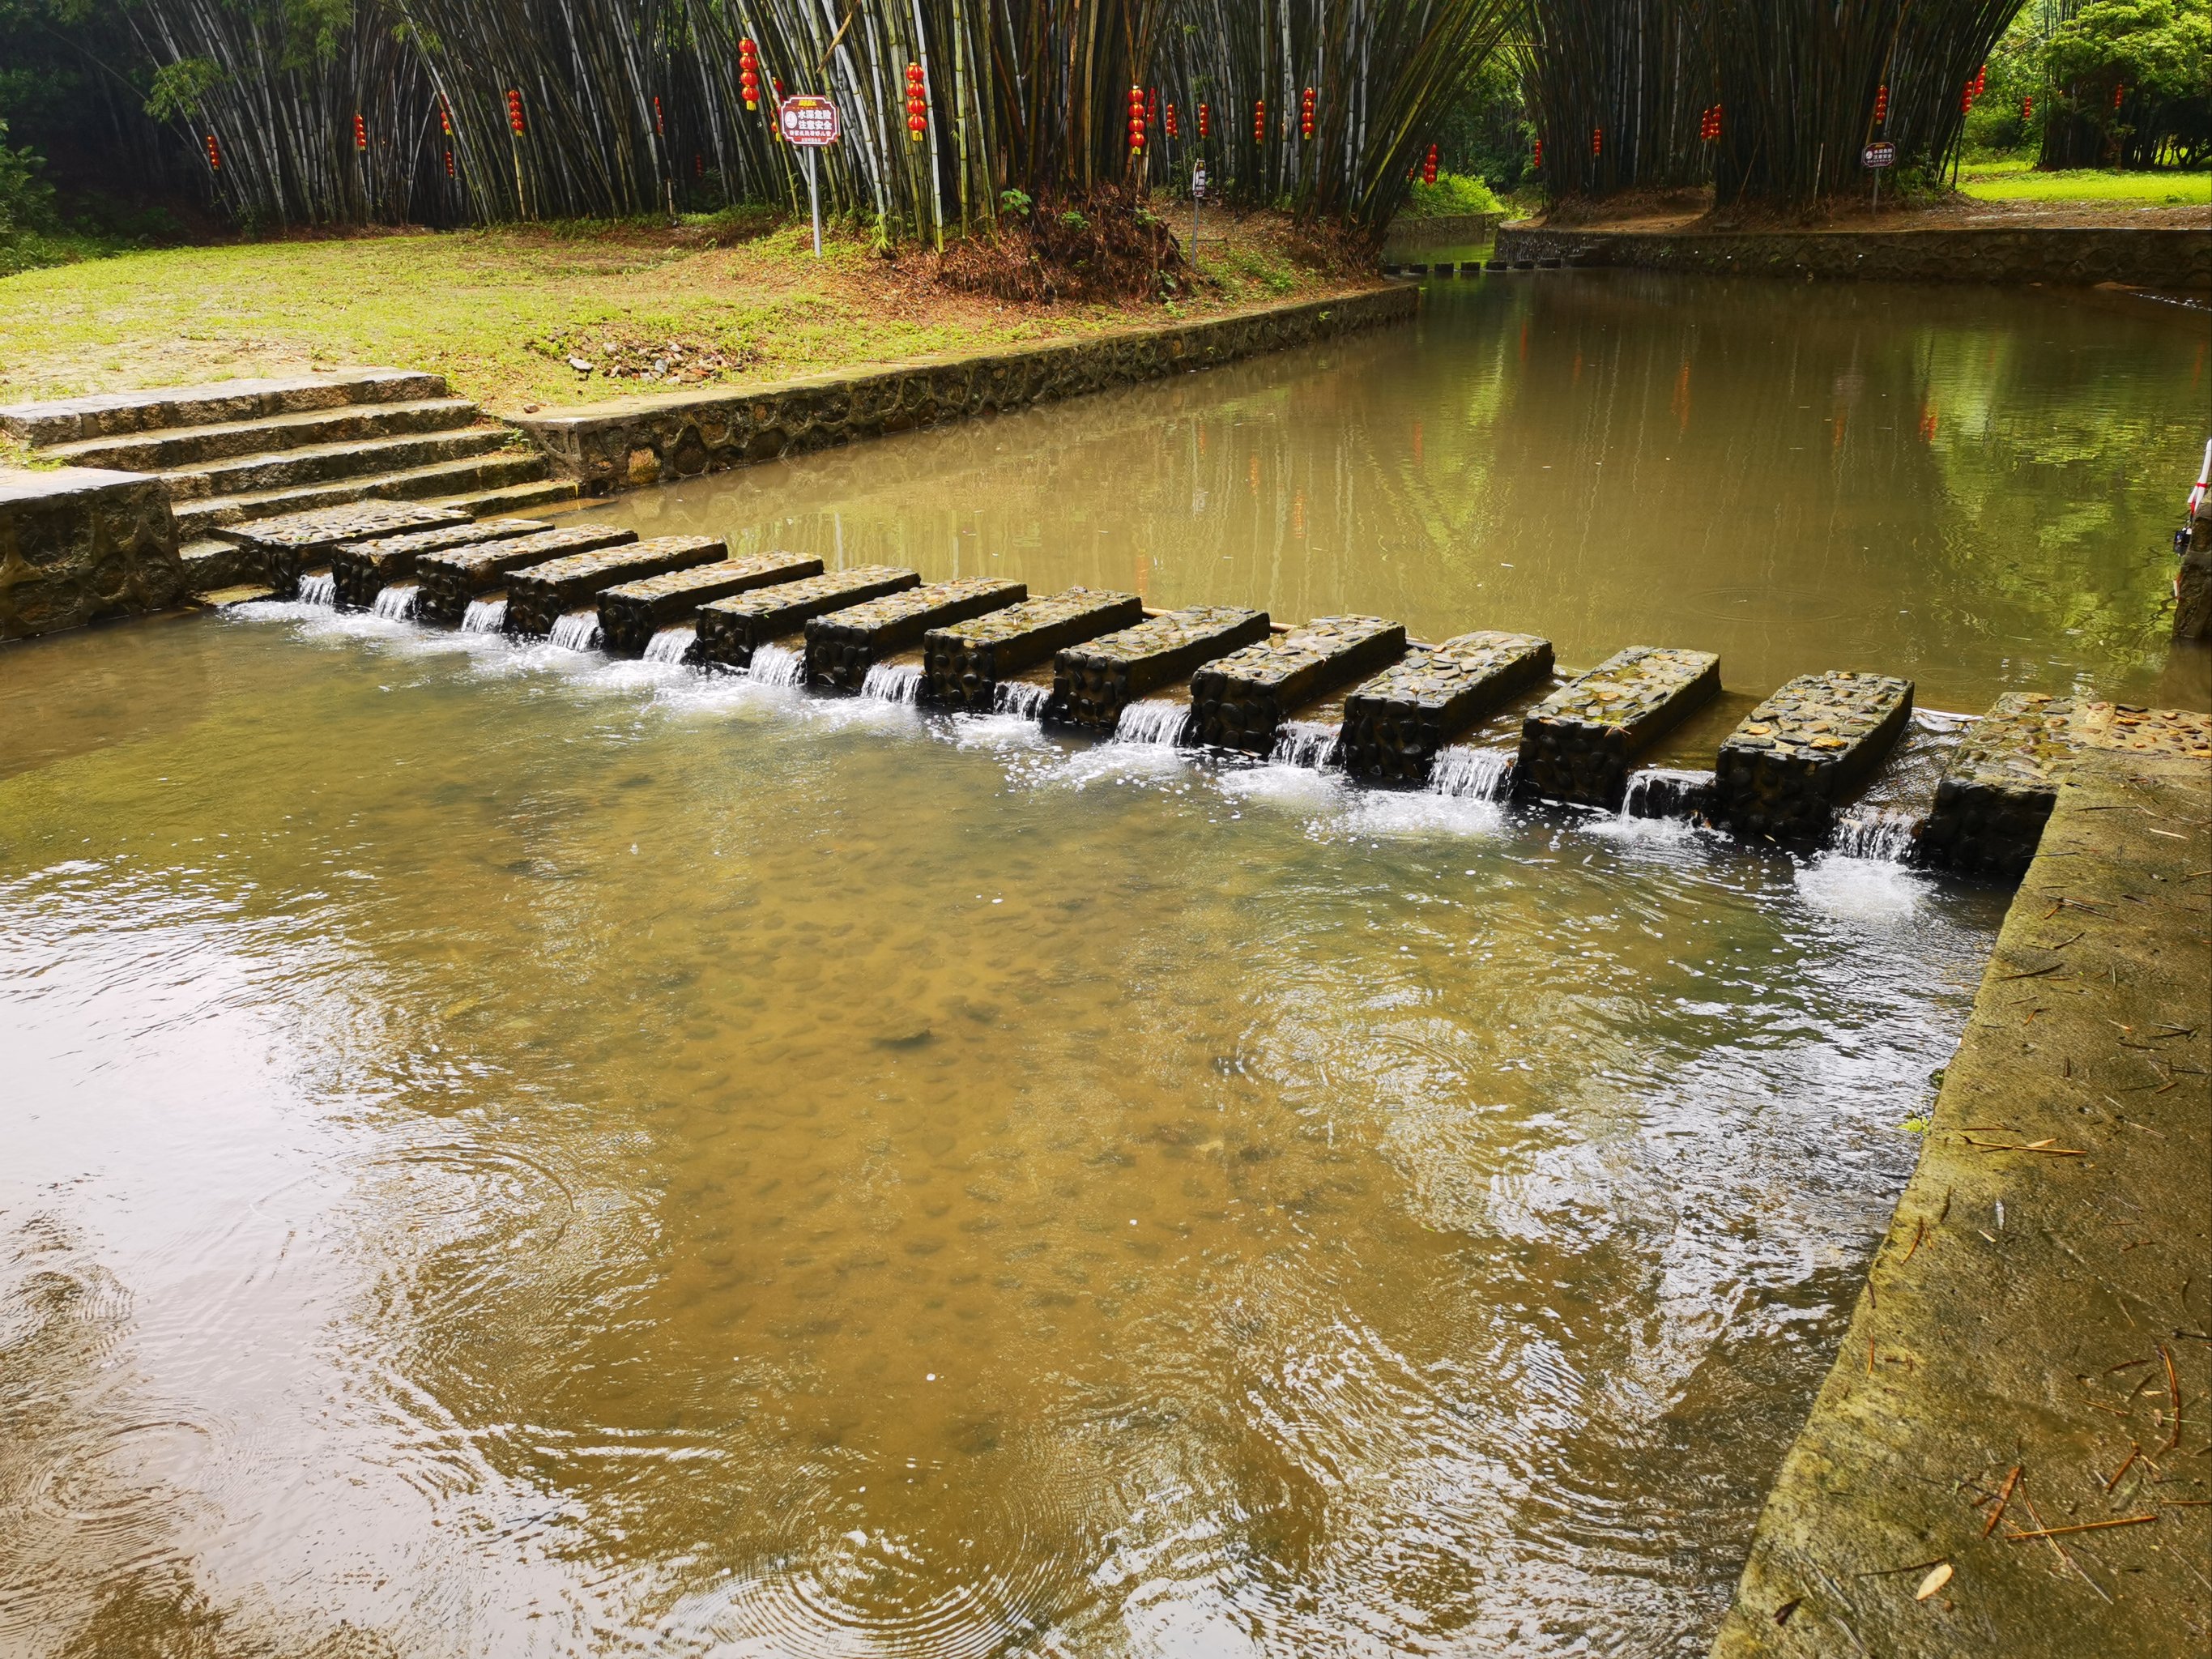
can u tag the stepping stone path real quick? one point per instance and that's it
(731, 630)
(965, 662)
(1395, 724)
(1093, 682)
(1578, 743)
(843, 645)
(631, 613)
(450, 580)
(539, 594)
(1241, 700)
(362, 570)
(1782, 771)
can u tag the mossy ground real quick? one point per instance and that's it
(500, 311)
(2014, 178)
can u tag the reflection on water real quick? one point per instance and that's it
(509, 1152)
(1976, 487)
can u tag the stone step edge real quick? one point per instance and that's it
(109, 414)
(90, 450)
(374, 454)
(418, 483)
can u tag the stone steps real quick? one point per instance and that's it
(177, 448)
(503, 500)
(446, 481)
(314, 464)
(109, 413)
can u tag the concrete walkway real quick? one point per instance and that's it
(2013, 1452)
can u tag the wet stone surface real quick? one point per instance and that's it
(298, 541)
(843, 645)
(1242, 700)
(631, 613)
(1394, 724)
(965, 662)
(537, 596)
(732, 629)
(1783, 769)
(1094, 682)
(362, 569)
(1578, 743)
(450, 580)
(1996, 794)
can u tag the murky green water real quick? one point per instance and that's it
(506, 1153)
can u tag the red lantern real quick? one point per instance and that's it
(1709, 126)
(360, 132)
(1204, 122)
(2026, 108)
(659, 129)
(215, 154)
(445, 116)
(1151, 106)
(2118, 93)
(449, 164)
(1881, 105)
(917, 103)
(1981, 79)
(749, 73)
(1260, 122)
(1136, 120)
(1171, 121)
(1306, 113)
(698, 165)
(515, 111)
(1429, 167)
(1597, 143)
(1536, 163)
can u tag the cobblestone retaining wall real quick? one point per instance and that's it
(2160, 257)
(636, 441)
(80, 544)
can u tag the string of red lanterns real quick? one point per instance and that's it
(1536, 162)
(1260, 121)
(917, 103)
(1306, 113)
(1429, 167)
(1597, 143)
(1881, 104)
(2118, 93)
(1204, 122)
(659, 130)
(1708, 124)
(515, 110)
(1136, 121)
(1171, 120)
(749, 72)
(360, 132)
(215, 154)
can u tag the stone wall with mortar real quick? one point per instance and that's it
(635, 441)
(2158, 258)
(79, 544)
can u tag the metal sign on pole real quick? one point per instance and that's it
(1875, 157)
(808, 123)
(1197, 195)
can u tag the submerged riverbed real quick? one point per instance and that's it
(507, 1152)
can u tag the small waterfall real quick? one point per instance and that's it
(779, 664)
(893, 681)
(1661, 791)
(1023, 698)
(671, 644)
(396, 601)
(1153, 721)
(1310, 743)
(485, 615)
(1472, 774)
(319, 587)
(1869, 832)
(576, 630)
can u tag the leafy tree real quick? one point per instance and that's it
(2131, 84)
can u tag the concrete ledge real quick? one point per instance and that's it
(79, 543)
(2006, 1373)
(2149, 258)
(1446, 230)
(635, 441)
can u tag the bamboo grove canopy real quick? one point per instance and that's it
(1772, 100)
(464, 110)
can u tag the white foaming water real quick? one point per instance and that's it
(1305, 742)
(1662, 792)
(1153, 722)
(1466, 774)
(889, 681)
(671, 644)
(395, 602)
(484, 615)
(778, 665)
(319, 587)
(576, 630)
(1884, 837)
(1026, 699)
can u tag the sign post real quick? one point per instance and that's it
(1875, 157)
(808, 123)
(1197, 195)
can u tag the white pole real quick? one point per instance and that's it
(813, 202)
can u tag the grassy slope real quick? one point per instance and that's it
(498, 312)
(2014, 178)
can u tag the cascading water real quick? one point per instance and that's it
(1662, 792)
(1026, 699)
(779, 664)
(1309, 744)
(576, 630)
(485, 615)
(1472, 774)
(319, 587)
(396, 603)
(671, 644)
(1863, 832)
(1152, 722)
(893, 681)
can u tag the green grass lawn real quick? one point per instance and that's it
(2014, 178)
(499, 312)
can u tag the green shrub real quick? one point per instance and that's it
(1453, 194)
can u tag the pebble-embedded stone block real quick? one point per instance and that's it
(81, 543)
(297, 541)
(843, 645)
(1396, 723)
(631, 613)
(537, 595)
(1242, 700)
(1092, 683)
(1782, 771)
(448, 580)
(1580, 742)
(362, 570)
(732, 629)
(965, 662)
